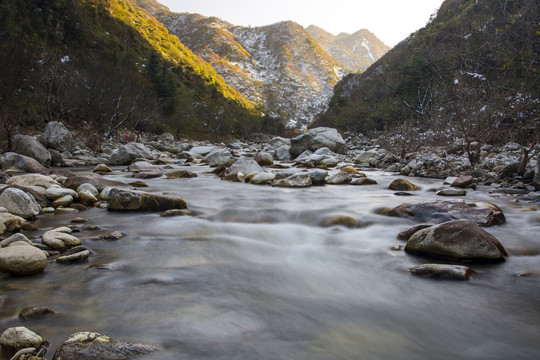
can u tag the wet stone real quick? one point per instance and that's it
(35, 312)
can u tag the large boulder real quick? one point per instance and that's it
(17, 163)
(460, 240)
(19, 203)
(94, 346)
(128, 153)
(244, 166)
(31, 147)
(20, 259)
(17, 338)
(12, 223)
(317, 138)
(438, 211)
(57, 136)
(29, 180)
(132, 200)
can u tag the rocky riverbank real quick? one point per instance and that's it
(35, 182)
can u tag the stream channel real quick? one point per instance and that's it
(255, 276)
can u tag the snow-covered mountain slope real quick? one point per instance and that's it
(279, 66)
(355, 51)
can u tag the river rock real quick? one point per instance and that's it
(282, 153)
(94, 346)
(402, 185)
(117, 235)
(340, 220)
(13, 223)
(317, 138)
(20, 337)
(99, 182)
(367, 157)
(29, 180)
(87, 198)
(264, 158)
(181, 174)
(22, 260)
(16, 163)
(102, 169)
(243, 165)
(463, 181)
(458, 240)
(408, 232)
(35, 312)
(19, 203)
(88, 187)
(128, 153)
(56, 192)
(165, 138)
(57, 136)
(132, 200)
(263, 178)
(14, 238)
(451, 192)
(31, 147)
(75, 257)
(442, 271)
(363, 181)
(139, 166)
(60, 239)
(219, 156)
(63, 201)
(438, 211)
(147, 175)
(340, 178)
(318, 176)
(294, 181)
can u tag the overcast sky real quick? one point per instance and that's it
(390, 20)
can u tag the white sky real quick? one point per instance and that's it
(390, 20)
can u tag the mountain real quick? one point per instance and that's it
(355, 51)
(103, 65)
(280, 66)
(471, 74)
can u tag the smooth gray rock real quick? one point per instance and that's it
(29, 146)
(219, 156)
(88, 187)
(94, 346)
(340, 178)
(463, 181)
(54, 193)
(57, 136)
(264, 158)
(458, 240)
(128, 153)
(263, 178)
(165, 138)
(30, 180)
(317, 138)
(294, 181)
(16, 163)
(283, 153)
(60, 239)
(442, 271)
(451, 192)
(318, 177)
(19, 338)
(439, 211)
(19, 203)
(14, 238)
(243, 165)
(131, 200)
(22, 260)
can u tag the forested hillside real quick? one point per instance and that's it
(472, 74)
(101, 65)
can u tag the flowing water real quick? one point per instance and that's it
(255, 276)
